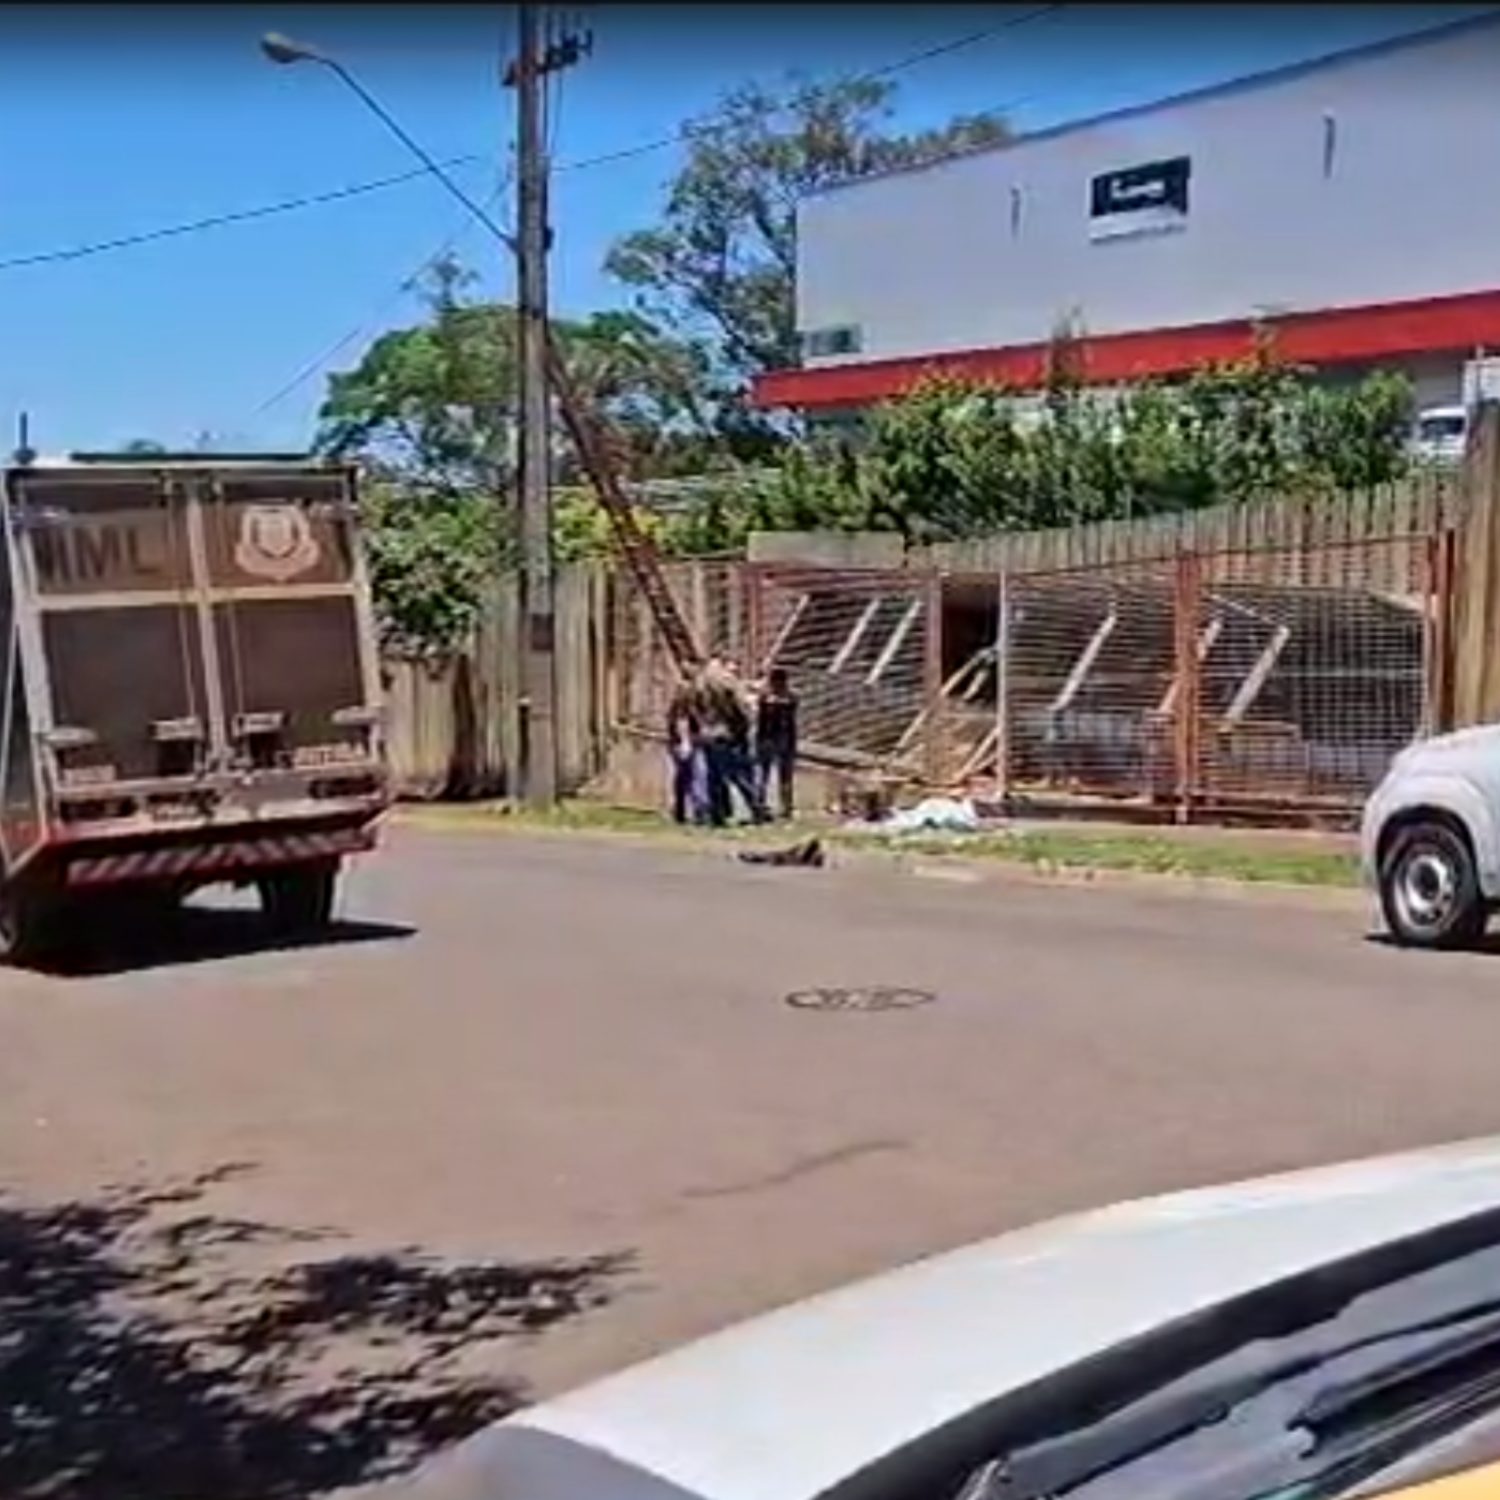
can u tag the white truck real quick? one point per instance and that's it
(191, 687)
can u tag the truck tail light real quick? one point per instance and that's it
(177, 744)
(260, 734)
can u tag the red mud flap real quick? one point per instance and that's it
(225, 858)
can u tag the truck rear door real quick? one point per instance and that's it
(119, 688)
(291, 632)
(194, 627)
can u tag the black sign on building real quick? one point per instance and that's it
(1140, 200)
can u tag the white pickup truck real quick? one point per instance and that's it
(1430, 840)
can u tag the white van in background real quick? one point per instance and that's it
(1440, 434)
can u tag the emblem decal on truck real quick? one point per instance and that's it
(276, 542)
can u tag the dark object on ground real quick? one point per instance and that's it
(808, 854)
(866, 998)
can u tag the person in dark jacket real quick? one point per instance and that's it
(776, 741)
(725, 731)
(684, 746)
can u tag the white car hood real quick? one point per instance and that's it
(1478, 744)
(786, 1405)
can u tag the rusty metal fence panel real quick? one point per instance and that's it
(860, 650)
(1262, 678)
(1254, 678)
(1258, 677)
(1088, 679)
(857, 645)
(1310, 687)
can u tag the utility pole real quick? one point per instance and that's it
(535, 59)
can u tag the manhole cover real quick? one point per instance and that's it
(867, 997)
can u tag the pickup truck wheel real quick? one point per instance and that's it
(297, 902)
(1429, 889)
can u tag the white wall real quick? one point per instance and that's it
(927, 261)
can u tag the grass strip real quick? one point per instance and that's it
(1063, 849)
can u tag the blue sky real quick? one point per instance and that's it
(124, 119)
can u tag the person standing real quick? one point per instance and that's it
(725, 729)
(684, 747)
(776, 742)
(742, 773)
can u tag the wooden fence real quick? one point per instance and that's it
(1416, 507)
(456, 727)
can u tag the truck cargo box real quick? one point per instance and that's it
(192, 681)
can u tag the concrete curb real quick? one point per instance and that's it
(958, 869)
(1272, 892)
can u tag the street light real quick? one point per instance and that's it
(283, 50)
(530, 251)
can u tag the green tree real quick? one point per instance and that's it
(432, 558)
(951, 460)
(435, 405)
(431, 410)
(432, 406)
(581, 529)
(1358, 431)
(817, 486)
(720, 266)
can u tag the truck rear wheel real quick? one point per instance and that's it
(30, 927)
(299, 901)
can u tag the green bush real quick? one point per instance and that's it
(953, 460)
(432, 557)
(946, 462)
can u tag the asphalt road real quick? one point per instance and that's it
(545, 1050)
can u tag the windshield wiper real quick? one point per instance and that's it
(1402, 1381)
(1377, 1405)
(1365, 1424)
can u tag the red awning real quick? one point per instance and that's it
(1338, 336)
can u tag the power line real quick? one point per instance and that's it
(379, 184)
(321, 361)
(552, 89)
(553, 109)
(973, 39)
(314, 366)
(238, 216)
(662, 143)
(466, 227)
